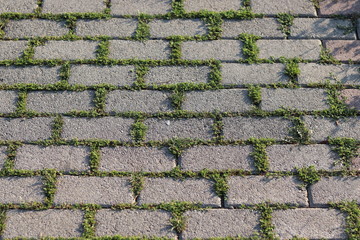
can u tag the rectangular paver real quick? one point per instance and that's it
(20, 6)
(19, 190)
(135, 7)
(78, 6)
(115, 27)
(273, 7)
(351, 98)
(165, 28)
(35, 28)
(8, 100)
(11, 50)
(339, 7)
(262, 27)
(344, 49)
(29, 74)
(212, 5)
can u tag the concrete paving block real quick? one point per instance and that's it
(164, 129)
(20, 6)
(145, 223)
(273, 7)
(136, 159)
(8, 100)
(351, 97)
(163, 190)
(93, 190)
(344, 50)
(3, 155)
(115, 27)
(259, 189)
(78, 6)
(340, 7)
(179, 27)
(93, 75)
(212, 5)
(109, 128)
(61, 158)
(44, 223)
(19, 190)
(29, 74)
(221, 223)
(135, 7)
(11, 50)
(309, 223)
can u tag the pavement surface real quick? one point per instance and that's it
(180, 119)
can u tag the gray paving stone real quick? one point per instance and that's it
(94, 190)
(162, 190)
(224, 50)
(19, 190)
(322, 128)
(151, 49)
(245, 128)
(335, 189)
(344, 50)
(59, 102)
(304, 99)
(93, 75)
(321, 28)
(20, 6)
(134, 223)
(11, 50)
(263, 27)
(67, 50)
(135, 7)
(180, 27)
(8, 100)
(29, 74)
(3, 155)
(212, 5)
(305, 49)
(136, 159)
(115, 27)
(79, 6)
(34, 28)
(25, 129)
(221, 223)
(225, 100)
(198, 158)
(288, 157)
(177, 74)
(309, 223)
(164, 129)
(44, 223)
(147, 101)
(342, 7)
(236, 73)
(273, 7)
(259, 189)
(61, 158)
(313, 73)
(351, 98)
(110, 128)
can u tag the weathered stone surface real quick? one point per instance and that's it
(29, 74)
(221, 223)
(79, 6)
(351, 98)
(356, 161)
(344, 49)
(296, 7)
(259, 189)
(3, 155)
(115, 27)
(11, 50)
(262, 27)
(20, 6)
(35, 28)
(339, 7)
(19, 190)
(135, 7)
(179, 27)
(8, 100)
(212, 5)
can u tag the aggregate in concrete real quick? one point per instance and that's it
(8, 100)
(342, 7)
(165, 28)
(20, 6)
(3, 155)
(11, 50)
(273, 7)
(344, 49)
(136, 159)
(136, 7)
(61, 158)
(162, 190)
(259, 189)
(19, 190)
(211, 5)
(34, 28)
(93, 190)
(262, 27)
(77, 6)
(115, 27)
(351, 97)
(29, 74)
(44, 223)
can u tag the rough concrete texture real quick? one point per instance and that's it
(305, 49)
(288, 157)
(19, 190)
(162, 190)
(235, 73)
(262, 27)
(115, 27)
(178, 27)
(29, 74)
(8, 100)
(151, 49)
(3, 155)
(198, 158)
(245, 128)
(20, 6)
(344, 73)
(66, 50)
(273, 7)
(223, 50)
(25, 129)
(221, 223)
(93, 75)
(259, 189)
(78, 6)
(322, 128)
(61, 158)
(147, 101)
(135, 7)
(11, 50)
(34, 28)
(110, 128)
(136, 159)
(343, 7)
(93, 190)
(309, 223)
(225, 100)
(301, 99)
(134, 223)
(165, 129)
(355, 162)
(321, 28)
(344, 49)
(351, 97)
(335, 189)
(59, 102)
(44, 223)
(211, 5)
(177, 74)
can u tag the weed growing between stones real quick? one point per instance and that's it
(266, 225)
(259, 154)
(309, 175)
(346, 148)
(299, 132)
(137, 184)
(327, 58)
(138, 131)
(254, 92)
(142, 32)
(49, 178)
(89, 220)
(292, 69)
(94, 158)
(250, 50)
(286, 20)
(352, 211)
(57, 128)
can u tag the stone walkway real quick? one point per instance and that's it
(180, 119)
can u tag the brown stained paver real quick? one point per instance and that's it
(344, 49)
(343, 7)
(351, 97)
